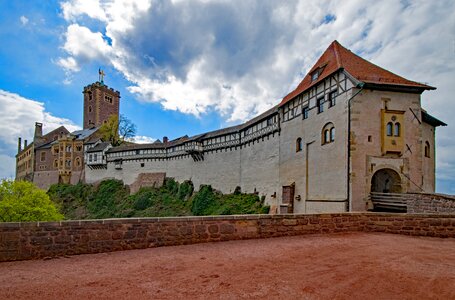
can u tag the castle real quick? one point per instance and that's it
(348, 130)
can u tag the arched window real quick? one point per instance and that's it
(397, 129)
(77, 162)
(427, 149)
(298, 145)
(389, 129)
(328, 133)
(90, 108)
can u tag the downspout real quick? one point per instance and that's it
(348, 177)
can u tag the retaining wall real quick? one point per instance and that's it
(431, 203)
(19, 241)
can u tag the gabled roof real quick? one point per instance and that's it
(99, 147)
(337, 57)
(49, 137)
(84, 133)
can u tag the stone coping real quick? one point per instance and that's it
(215, 218)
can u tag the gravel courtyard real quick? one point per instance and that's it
(336, 266)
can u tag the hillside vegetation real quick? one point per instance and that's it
(111, 199)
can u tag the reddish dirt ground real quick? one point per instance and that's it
(337, 266)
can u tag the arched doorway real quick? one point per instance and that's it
(386, 181)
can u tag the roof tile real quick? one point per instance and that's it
(337, 57)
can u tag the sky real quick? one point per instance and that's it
(188, 67)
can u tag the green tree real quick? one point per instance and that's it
(22, 201)
(117, 130)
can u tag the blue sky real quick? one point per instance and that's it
(186, 67)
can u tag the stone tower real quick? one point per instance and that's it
(100, 102)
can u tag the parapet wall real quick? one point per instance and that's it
(19, 241)
(431, 203)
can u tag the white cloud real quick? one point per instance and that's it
(239, 58)
(84, 44)
(142, 139)
(73, 9)
(68, 64)
(24, 20)
(18, 120)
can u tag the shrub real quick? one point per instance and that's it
(185, 190)
(22, 201)
(203, 201)
(107, 199)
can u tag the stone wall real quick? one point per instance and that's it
(252, 166)
(19, 241)
(147, 180)
(431, 203)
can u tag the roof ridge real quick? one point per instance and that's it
(337, 54)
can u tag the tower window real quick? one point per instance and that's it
(108, 99)
(320, 104)
(427, 149)
(332, 98)
(397, 130)
(328, 133)
(90, 108)
(389, 129)
(298, 145)
(306, 111)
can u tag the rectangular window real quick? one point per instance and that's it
(306, 111)
(90, 158)
(43, 156)
(332, 98)
(320, 104)
(95, 157)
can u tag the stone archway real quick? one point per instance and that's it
(386, 181)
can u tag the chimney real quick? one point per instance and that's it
(25, 144)
(19, 145)
(38, 130)
(165, 139)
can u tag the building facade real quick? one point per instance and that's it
(59, 156)
(348, 130)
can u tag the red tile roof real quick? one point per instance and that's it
(337, 57)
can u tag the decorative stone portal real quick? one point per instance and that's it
(386, 181)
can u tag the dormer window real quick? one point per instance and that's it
(317, 72)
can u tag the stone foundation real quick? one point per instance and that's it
(34, 240)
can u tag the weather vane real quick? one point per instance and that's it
(101, 75)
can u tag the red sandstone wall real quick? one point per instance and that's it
(34, 240)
